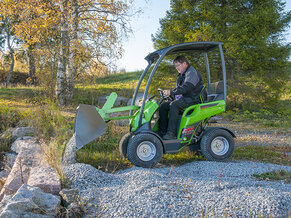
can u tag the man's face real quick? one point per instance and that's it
(181, 67)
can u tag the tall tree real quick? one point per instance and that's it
(31, 22)
(6, 32)
(63, 59)
(94, 27)
(83, 33)
(252, 32)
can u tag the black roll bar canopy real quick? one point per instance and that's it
(159, 55)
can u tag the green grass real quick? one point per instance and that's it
(20, 93)
(124, 77)
(123, 84)
(5, 144)
(265, 118)
(275, 175)
(267, 154)
(182, 157)
(10, 116)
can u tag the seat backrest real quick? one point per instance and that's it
(216, 91)
(216, 87)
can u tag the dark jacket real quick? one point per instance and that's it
(189, 85)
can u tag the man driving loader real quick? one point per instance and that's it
(186, 93)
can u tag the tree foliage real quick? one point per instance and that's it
(66, 37)
(253, 35)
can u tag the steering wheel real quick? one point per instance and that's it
(163, 97)
(150, 98)
(161, 93)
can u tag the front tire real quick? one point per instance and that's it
(144, 150)
(217, 144)
(123, 144)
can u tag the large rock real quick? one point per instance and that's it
(23, 131)
(31, 201)
(74, 210)
(101, 101)
(26, 141)
(9, 160)
(5, 201)
(139, 96)
(26, 159)
(45, 178)
(3, 176)
(119, 101)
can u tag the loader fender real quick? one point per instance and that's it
(226, 129)
(152, 133)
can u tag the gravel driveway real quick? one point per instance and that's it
(196, 189)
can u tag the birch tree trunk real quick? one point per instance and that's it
(10, 52)
(31, 61)
(61, 73)
(72, 65)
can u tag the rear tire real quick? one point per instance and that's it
(123, 144)
(144, 150)
(217, 144)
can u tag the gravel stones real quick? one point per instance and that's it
(202, 187)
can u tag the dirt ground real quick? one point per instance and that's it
(254, 134)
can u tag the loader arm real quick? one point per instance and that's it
(90, 122)
(107, 109)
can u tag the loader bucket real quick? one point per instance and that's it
(89, 125)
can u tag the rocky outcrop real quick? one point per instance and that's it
(31, 188)
(45, 178)
(23, 131)
(120, 101)
(22, 142)
(20, 171)
(138, 98)
(30, 201)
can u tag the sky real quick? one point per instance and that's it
(144, 25)
(140, 44)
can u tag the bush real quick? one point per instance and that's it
(50, 123)
(16, 78)
(9, 117)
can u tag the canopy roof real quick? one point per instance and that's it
(183, 47)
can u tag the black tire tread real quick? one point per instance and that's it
(206, 140)
(123, 143)
(132, 146)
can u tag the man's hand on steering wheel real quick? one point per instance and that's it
(165, 95)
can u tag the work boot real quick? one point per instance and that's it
(169, 135)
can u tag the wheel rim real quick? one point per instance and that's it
(219, 145)
(146, 151)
